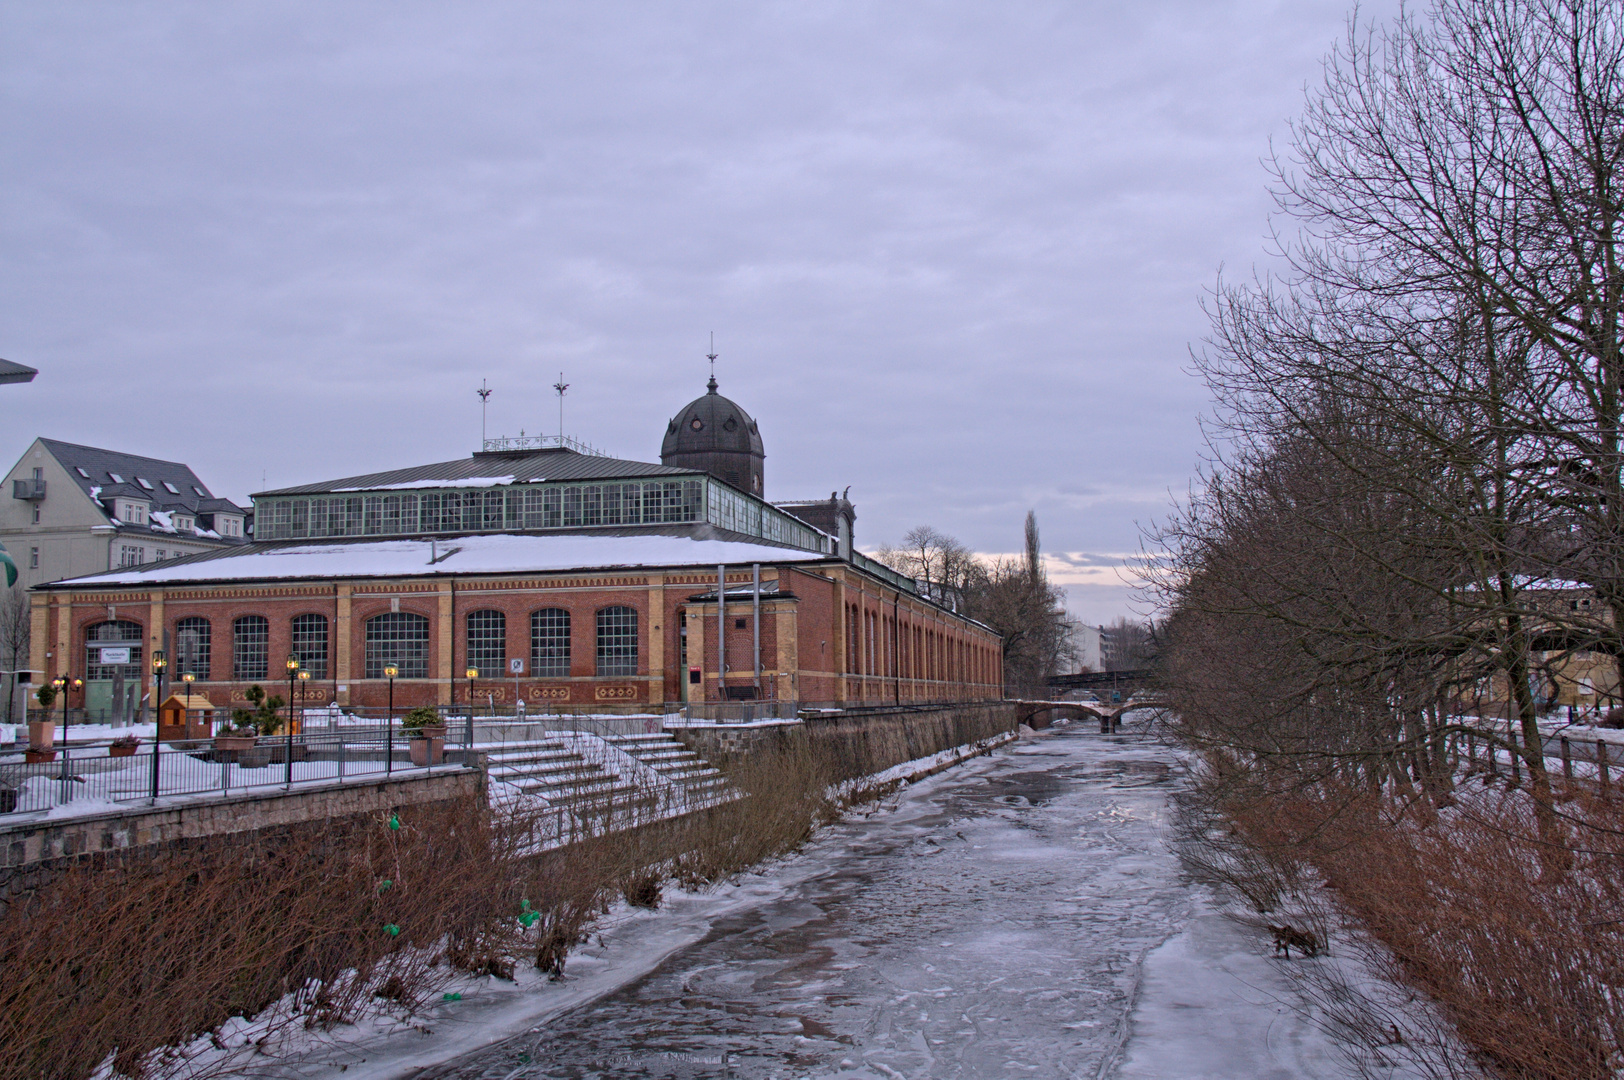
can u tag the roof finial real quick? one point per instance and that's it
(484, 392)
(711, 386)
(561, 386)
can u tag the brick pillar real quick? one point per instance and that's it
(343, 644)
(445, 636)
(656, 639)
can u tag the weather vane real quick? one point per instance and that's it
(711, 356)
(484, 392)
(561, 386)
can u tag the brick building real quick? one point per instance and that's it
(561, 576)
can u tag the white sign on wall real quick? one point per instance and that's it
(516, 665)
(116, 656)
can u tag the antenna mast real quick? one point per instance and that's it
(561, 386)
(484, 392)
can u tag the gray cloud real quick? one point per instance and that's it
(952, 252)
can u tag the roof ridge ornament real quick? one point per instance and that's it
(710, 387)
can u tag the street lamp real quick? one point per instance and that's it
(472, 673)
(293, 671)
(160, 663)
(390, 670)
(304, 677)
(188, 678)
(63, 683)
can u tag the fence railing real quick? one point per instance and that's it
(87, 775)
(1493, 747)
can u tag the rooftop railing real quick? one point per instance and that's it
(509, 443)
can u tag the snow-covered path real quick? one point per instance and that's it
(1021, 915)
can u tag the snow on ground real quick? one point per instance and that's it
(18, 733)
(1177, 989)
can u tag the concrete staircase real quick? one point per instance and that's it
(698, 779)
(612, 781)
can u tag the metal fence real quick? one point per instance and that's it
(91, 774)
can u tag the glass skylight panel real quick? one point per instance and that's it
(117, 479)
(143, 482)
(80, 469)
(171, 488)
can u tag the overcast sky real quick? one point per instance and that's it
(952, 252)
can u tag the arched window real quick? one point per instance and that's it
(617, 641)
(250, 648)
(115, 635)
(550, 643)
(401, 638)
(487, 643)
(310, 644)
(192, 638)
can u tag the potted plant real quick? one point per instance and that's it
(235, 739)
(426, 734)
(42, 733)
(123, 746)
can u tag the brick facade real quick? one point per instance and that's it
(830, 632)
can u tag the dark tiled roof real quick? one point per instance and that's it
(523, 467)
(10, 372)
(102, 464)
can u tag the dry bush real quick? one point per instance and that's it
(1521, 953)
(127, 957)
(785, 785)
(131, 956)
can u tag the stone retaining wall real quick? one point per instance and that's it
(861, 743)
(31, 852)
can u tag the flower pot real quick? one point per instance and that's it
(127, 750)
(41, 735)
(36, 757)
(427, 750)
(235, 742)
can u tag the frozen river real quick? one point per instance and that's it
(1018, 916)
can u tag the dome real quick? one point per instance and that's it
(713, 434)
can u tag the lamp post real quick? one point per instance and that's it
(160, 663)
(304, 677)
(390, 670)
(293, 672)
(188, 678)
(472, 674)
(63, 683)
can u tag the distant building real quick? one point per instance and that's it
(1090, 647)
(560, 576)
(16, 373)
(75, 510)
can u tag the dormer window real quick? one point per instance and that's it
(227, 525)
(130, 512)
(183, 523)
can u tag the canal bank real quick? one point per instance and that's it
(1020, 915)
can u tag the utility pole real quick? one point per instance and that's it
(484, 392)
(561, 386)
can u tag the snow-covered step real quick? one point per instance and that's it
(699, 782)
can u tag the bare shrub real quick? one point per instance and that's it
(1520, 960)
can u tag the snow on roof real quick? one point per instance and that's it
(472, 481)
(500, 554)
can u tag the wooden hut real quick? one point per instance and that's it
(185, 716)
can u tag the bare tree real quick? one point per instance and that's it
(943, 566)
(14, 642)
